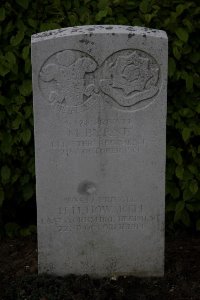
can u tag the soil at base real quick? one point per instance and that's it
(19, 279)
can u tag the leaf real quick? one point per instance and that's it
(180, 8)
(196, 206)
(101, 14)
(5, 173)
(16, 40)
(28, 191)
(2, 100)
(25, 232)
(180, 206)
(16, 123)
(20, 100)
(145, 6)
(2, 14)
(170, 151)
(32, 23)
(25, 52)
(185, 218)
(171, 66)
(187, 176)
(176, 53)
(12, 229)
(198, 108)
(177, 216)
(6, 145)
(194, 57)
(170, 206)
(10, 57)
(31, 166)
(177, 157)
(26, 135)
(33, 228)
(27, 66)
(193, 169)
(102, 4)
(16, 176)
(2, 197)
(179, 172)
(4, 70)
(193, 186)
(15, 69)
(50, 26)
(148, 18)
(176, 193)
(190, 207)
(9, 27)
(189, 82)
(26, 88)
(28, 112)
(172, 190)
(198, 225)
(186, 134)
(24, 179)
(23, 3)
(170, 171)
(20, 25)
(186, 112)
(187, 195)
(182, 34)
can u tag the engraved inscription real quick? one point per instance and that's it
(107, 216)
(94, 137)
(73, 81)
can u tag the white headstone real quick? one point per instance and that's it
(100, 117)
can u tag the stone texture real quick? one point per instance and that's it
(100, 117)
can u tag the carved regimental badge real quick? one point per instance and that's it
(128, 80)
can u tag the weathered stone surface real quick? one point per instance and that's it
(100, 113)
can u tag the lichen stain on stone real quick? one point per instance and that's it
(130, 29)
(87, 188)
(130, 35)
(84, 41)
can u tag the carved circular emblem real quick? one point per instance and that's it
(131, 79)
(128, 80)
(64, 82)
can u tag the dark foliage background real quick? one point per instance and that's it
(19, 19)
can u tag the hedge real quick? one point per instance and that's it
(19, 19)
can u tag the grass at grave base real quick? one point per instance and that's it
(47, 287)
(175, 285)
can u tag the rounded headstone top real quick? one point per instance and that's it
(98, 29)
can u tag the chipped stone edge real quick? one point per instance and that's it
(98, 29)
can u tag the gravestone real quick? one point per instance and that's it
(100, 117)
